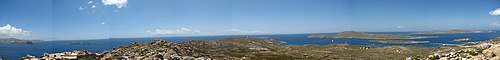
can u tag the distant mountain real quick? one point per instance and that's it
(18, 41)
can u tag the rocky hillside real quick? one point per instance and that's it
(488, 50)
(229, 48)
(249, 48)
(258, 49)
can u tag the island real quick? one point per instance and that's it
(18, 41)
(363, 35)
(454, 32)
(462, 39)
(79, 43)
(398, 41)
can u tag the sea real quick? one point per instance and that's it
(16, 51)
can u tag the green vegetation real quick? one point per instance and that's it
(4, 58)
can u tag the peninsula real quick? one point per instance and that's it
(399, 41)
(454, 32)
(363, 35)
(18, 41)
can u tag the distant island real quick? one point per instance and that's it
(79, 43)
(363, 35)
(18, 41)
(462, 39)
(454, 31)
(399, 41)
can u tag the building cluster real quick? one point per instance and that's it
(64, 56)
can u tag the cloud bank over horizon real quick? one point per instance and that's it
(181, 31)
(233, 30)
(9, 31)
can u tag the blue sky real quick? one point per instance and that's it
(97, 19)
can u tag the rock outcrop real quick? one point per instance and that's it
(229, 48)
(488, 50)
(249, 48)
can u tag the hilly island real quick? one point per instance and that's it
(363, 35)
(18, 41)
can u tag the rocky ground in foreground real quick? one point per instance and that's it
(248, 48)
(259, 49)
(487, 50)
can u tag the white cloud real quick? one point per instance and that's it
(90, 2)
(103, 22)
(10, 31)
(399, 27)
(118, 3)
(81, 8)
(174, 32)
(93, 6)
(240, 31)
(495, 12)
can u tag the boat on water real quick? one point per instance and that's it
(462, 39)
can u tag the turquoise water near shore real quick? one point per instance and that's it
(16, 51)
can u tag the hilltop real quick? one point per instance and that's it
(256, 49)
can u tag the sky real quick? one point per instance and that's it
(102, 19)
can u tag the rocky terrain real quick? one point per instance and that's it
(258, 49)
(249, 48)
(229, 48)
(487, 50)
(18, 41)
(454, 32)
(71, 55)
(399, 41)
(362, 35)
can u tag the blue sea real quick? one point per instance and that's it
(16, 51)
